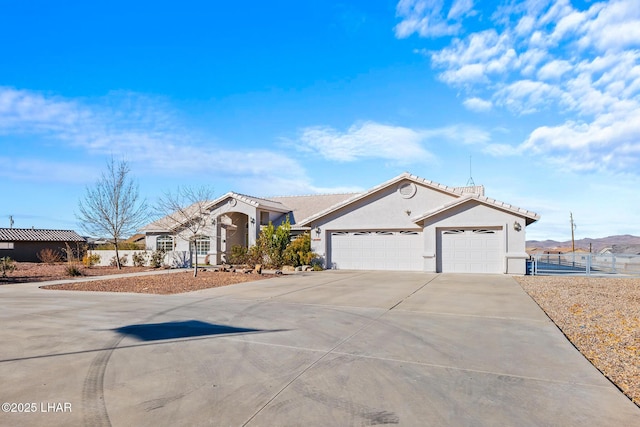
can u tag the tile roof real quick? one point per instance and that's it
(303, 207)
(462, 194)
(38, 235)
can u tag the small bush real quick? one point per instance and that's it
(139, 259)
(157, 259)
(239, 255)
(90, 260)
(7, 265)
(123, 261)
(298, 252)
(49, 256)
(125, 246)
(72, 270)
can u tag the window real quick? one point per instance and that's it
(164, 243)
(264, 218)
(203, 245)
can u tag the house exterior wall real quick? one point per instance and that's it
(222, 239)
(383, 210)
(475, 214)
(387, 210)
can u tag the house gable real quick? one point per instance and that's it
(454, 207)
(390, 204)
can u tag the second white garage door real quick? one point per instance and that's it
(376, 250)
(471, 251)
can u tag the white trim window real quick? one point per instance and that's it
(164, 243)
(203, 245)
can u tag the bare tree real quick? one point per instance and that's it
(112, 208)
(186, 213)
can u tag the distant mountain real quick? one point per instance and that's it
(596, 244)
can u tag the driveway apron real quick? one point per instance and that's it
(340, 348)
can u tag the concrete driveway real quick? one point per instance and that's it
(331, 348)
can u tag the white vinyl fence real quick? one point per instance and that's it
(173, 259)
(584, 263)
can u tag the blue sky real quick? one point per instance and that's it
(301, 97)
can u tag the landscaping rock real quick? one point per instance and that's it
(258, 269)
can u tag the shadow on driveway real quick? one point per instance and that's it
(185, 329)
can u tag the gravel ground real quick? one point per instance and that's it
(156, 284)
(164, 283)
(27, 272)
(601, 317)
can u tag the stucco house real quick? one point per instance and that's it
(406, 223)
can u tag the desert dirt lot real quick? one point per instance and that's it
(600, 316)
(154, 284)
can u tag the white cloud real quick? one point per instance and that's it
(526, 96)
(580, 63)
(477, 104)
(612, 26)
(460, 8)
(610, 142)
(473, 60)
(554, 70)
(427, 18)
(366, 140)
(141, 129)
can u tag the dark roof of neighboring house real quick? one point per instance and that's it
(38, 235)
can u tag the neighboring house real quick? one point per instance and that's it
(629, 249)
(407, 223)
(24, 244)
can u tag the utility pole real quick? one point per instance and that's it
(573, 227)
(10, 221)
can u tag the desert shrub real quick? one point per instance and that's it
(316, 265)
(72, 270)
(271, 244)
(298, 252)
(125, 246)
(139, 259)
(89, 260)
(255, 254)
(157, 259)
(74, 254)
(239, 255)
(49, 256)
(123, 261)
(7, 265)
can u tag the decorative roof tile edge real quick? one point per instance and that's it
(482, 199)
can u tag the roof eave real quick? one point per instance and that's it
(529, 216)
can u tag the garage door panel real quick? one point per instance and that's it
(470, 251)
(386, 250)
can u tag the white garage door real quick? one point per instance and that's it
(471, 251)
(376, 250)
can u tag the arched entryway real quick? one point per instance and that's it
(232, 229)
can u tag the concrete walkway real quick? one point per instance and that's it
(330, 348)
